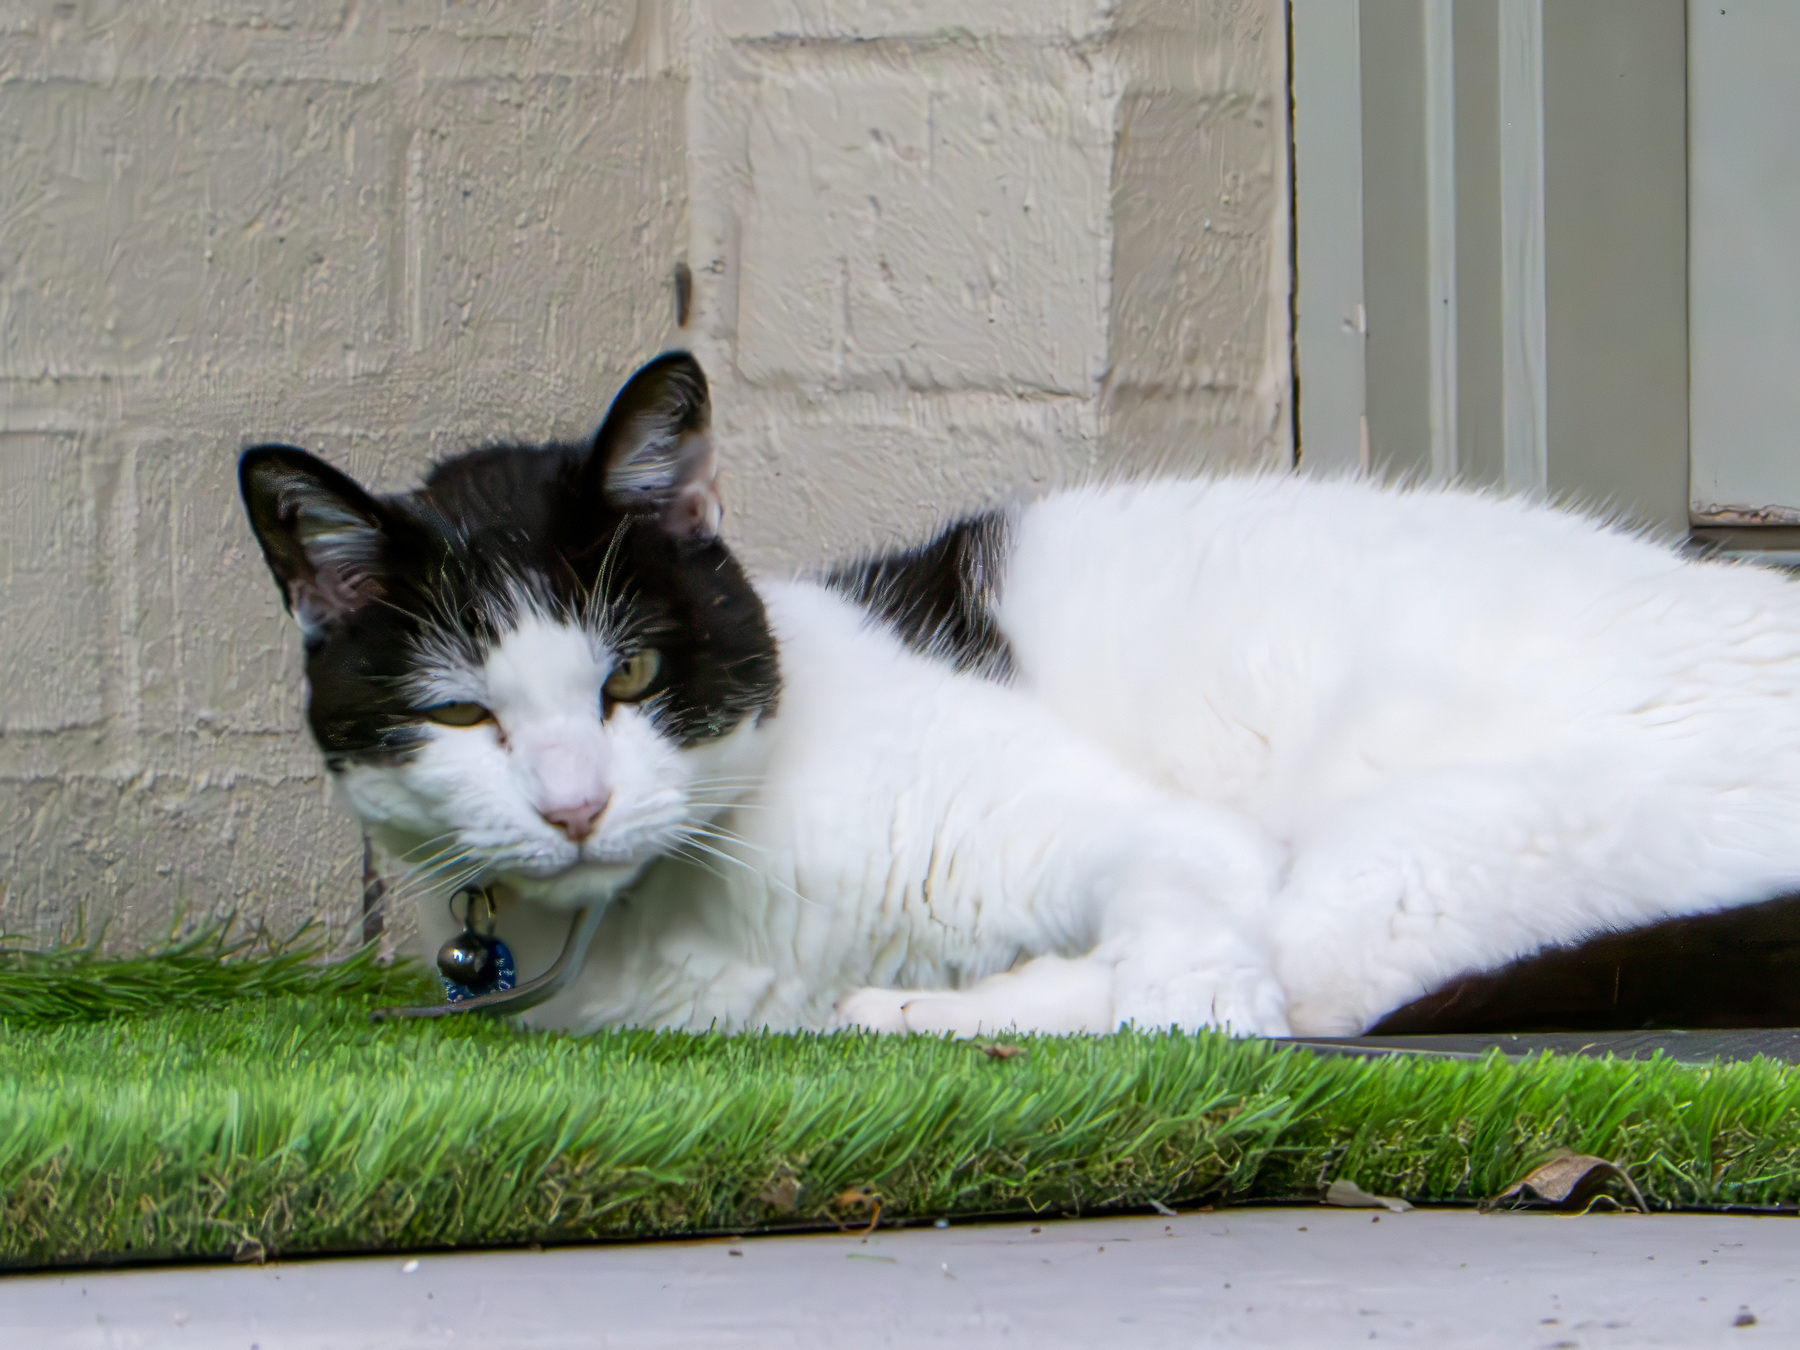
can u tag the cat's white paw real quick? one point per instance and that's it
(949, 1013)
(1051, 995)
(871, 1009)
(1247, 1001)
(946, 1014)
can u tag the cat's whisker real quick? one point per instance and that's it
(435, 879)
(598, 594)
(435, 839)
(448, 853)
(689, 841)
(695, 829)
(761, 852)
(719, 832)
(694, 860)
(723, 840)
(461, 862)
(425, 884)
(409, 887)
(694, 834)
(448, 886)
(692, 840)
(448, 856)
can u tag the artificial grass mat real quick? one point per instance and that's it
(246, 1106)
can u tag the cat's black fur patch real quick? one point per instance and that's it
(444, 566)
(1736, 967)
(939, 598)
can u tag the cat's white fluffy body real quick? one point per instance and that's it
(1280, 754)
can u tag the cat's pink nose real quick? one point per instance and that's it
(578, 821)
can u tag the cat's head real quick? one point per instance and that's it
(542, 666)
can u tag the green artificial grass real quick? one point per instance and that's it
(256, 1111)
(208, 968)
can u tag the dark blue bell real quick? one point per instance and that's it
(466, 959)
(473, 964)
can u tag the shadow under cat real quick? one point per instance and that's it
(1731, 970)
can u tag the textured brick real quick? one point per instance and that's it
(810, 478)
(207, 656)
(534, 209)
(522, 38)
(131, 858)
(541, 22)
(156, 228)
(1194, 189)
(52, 664)
(242, 41)
(1199, 353)
(863, 19)
(939, 226)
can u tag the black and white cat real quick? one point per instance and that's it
(1262, 752)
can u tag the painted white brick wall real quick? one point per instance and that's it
(941, 252)
(946, 253)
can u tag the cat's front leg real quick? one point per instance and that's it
(1159, 984)
(1184, 918)
(1093, 994)
(1178, 900)
(1053, 995)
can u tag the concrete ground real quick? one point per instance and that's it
(1244, 1277)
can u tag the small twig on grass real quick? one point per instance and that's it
(855, 1198)
(995, 1050)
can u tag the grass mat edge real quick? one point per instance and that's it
(288, 1124)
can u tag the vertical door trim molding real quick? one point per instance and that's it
(1440, 229)
(1524, 346)
(1330, 318)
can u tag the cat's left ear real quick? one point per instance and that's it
(653, 454)
(323, 536)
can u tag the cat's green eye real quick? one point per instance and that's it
(458, 714)
(631, 678)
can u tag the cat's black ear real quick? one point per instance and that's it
(321, 533)
(653, 453)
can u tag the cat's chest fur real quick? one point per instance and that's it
(899, 829)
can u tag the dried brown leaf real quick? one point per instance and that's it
(861, 1197)
(996, 1051)
(1568, 1181)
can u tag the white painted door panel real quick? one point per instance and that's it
(1744, 260)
